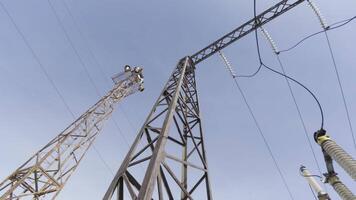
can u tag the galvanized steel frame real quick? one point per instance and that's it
(44, 175)
(176, 111)
(174, 119)
(177, 106)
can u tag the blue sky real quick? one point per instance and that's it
(156, 34)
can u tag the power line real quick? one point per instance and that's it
(299, 115)
(276, 165)
(43, 69)
(85, 69)
(301, 119)
(34, 55)
(312, 191)
(290, 78)
(331, 27)
(103, 160)
(341, 88)
(275, 51)
(307, 89)
(251, 75)
(78, 55)
(65, 5)
(286, 76)
(264, 139)
(99, 66)
(69, 40)
(325, 28)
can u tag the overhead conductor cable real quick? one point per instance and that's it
(345, 160)
(100, 67)
(326, 28)
(234, 76)
(333, 26)
(275, 50)
(331, 150)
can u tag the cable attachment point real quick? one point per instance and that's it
(227, 65)
(320, 136)
(270, 40)
(318, 14)
(313, 183)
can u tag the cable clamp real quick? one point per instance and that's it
(320, 136)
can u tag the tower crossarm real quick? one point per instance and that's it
(245, 29)
(45, 173)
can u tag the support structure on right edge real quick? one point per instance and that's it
(331, 152)
(332, 149)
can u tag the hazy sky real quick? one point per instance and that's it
(156, 34)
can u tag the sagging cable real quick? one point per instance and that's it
(270, 40)
(317, 12)
(275, 50)
(234, 76)
(227, 64)
(325, 29)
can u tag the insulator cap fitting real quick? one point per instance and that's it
(320, 136)
(302, 168)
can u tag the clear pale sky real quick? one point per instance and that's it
(156, 34)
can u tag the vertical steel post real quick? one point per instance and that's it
(332, 152)
(184, 178)
(174, 119)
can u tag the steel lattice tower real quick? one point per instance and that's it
(175, 120)
(44, 175)
(169, 149)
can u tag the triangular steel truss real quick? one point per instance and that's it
(169, 147)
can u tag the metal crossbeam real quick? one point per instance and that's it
(245, 29)
(44, 175)
(169, 147)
